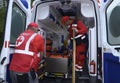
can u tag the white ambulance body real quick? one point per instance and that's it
(18, 14)
(110, 19)
(103, 33)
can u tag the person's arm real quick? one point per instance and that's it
(39, 43)
(82, 29)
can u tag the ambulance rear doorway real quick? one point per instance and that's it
(48, 15)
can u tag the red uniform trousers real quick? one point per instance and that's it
(80, 55)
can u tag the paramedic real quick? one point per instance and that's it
(29, 50)
(80, 37)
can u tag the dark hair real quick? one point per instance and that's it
(33, 29)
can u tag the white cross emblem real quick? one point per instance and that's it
(20, 40)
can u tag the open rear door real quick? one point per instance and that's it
(110, 13)
(17, 17)
(48, 14)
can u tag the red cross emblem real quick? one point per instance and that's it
(19, 41)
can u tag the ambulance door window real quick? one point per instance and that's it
(18, 23)
(113, 23)
(88, 19)
(2, 17)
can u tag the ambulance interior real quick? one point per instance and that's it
(48, 16)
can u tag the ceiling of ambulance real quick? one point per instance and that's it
(68, 8)
(57, 9)
(65, 7)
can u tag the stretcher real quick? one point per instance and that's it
(57, 64)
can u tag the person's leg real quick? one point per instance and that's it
(78, 65)
(81, 60)
(13, 77)
(80, 56)
(18, 77)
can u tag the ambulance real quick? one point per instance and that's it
(102, 21)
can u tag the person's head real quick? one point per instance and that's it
(66, 20)
(33, 26)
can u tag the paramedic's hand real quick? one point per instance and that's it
(75, 29)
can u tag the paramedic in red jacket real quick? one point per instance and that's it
(80, 34)
(29, 49)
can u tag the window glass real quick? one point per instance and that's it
(18, 23)
(88, 19)
(2, 20)
(113, 24)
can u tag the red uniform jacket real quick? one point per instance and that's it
(81, 29)
(28, 45)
